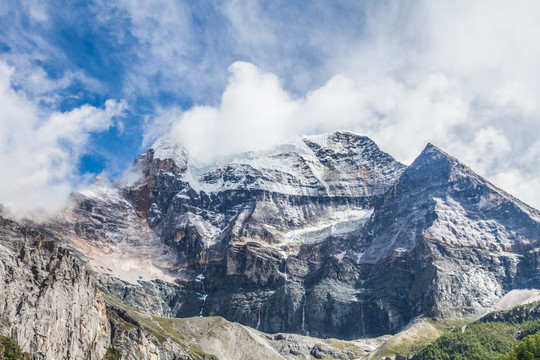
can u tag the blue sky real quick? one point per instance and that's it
(87, 85)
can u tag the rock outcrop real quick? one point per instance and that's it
(49, 303)
(450, 242)
(328, 236)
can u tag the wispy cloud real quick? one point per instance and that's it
(178, 51)
(40, 150)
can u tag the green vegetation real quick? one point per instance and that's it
(487, 338)
(112, 354)
(528, 349)
(479, 341)
(10, 350)
(416, 337)
(164, 329)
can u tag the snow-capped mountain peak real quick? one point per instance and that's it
(166, 155)
(328, 224)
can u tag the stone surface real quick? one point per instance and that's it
(48, 301)
(51, 306)
(327, 236)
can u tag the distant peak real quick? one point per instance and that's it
(164, 143)
(433, 150)
(165, 148)
(335, 135)
(346, 146)
(338, 138)
(167, 155)
(430, 146)
(99, 181)
(439, 164)
(345, 133)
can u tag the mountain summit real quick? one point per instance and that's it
(327, 236)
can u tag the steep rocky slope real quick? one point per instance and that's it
(51, 307)
(48, 302)
(327, 236)
(449, 241)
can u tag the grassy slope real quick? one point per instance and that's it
(161, 328)
(486, 338)
(224, 339)
(416, 337)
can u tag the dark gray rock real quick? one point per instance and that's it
(328, 236)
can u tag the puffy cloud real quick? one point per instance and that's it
(40, 149)
(256, 112)
(458, 74)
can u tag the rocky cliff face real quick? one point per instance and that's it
(449, 241)
(328, 236)
(50, 305)
(48, 302)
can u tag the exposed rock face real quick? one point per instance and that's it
(218, 338)
(133, 341)
(328, 236)
(51, 307)
(449, 241)
(48, 302)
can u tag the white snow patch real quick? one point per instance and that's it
(129, 269)
(294, 169)
(487, 201)
(99, 190)
(288, 169)
(517, 297)
(193, 181)
(166, 149)
(323, 140)
(454, 226)
(341, 222)
(203, 226)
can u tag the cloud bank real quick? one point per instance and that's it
(40, 150)
(460, 74)
(453, 73)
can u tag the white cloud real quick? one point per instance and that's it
(36, 9)
(255, 112)
(174, 52)
(298, 41)
(460, 74)
(463, 75)
(521, 185)
(159, 124)
(40, 150)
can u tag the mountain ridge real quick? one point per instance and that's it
(327, 235)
